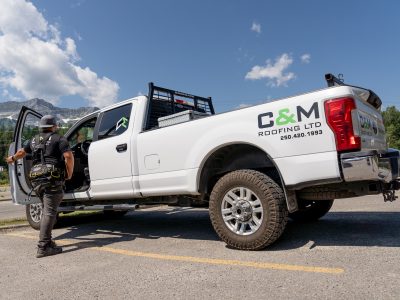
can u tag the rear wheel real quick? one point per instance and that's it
(34, 214)
(310, 211)
(248, 210)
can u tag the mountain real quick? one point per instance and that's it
(9, 111)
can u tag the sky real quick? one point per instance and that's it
(77, 53)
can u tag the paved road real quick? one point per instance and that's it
(9, 210)
(5, 193)
(173, 253)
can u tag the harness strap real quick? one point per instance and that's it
(41, 146)
(42, 143)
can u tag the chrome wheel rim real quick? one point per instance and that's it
(242, 211)
(36, 211)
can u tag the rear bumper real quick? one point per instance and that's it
(370, 166)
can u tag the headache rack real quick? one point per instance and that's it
(166, 102)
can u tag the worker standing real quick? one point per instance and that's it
(53, 162)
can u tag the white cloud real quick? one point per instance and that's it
(243, 105)
(78, 36)
(244, 56)
(274, 73)
(70, 49)
(305, 58)
(77, 4)
(37, 62)
(268, 99)
(256, 27)
(99, 91)
(9, 96)
(21, 18)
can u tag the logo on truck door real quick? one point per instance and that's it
(123, 122)
(285, 121)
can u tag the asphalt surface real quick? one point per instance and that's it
(9, 210)
(5, 193)
(173, 253)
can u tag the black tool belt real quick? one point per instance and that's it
(46, 178)
(47, 171)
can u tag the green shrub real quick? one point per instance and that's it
(4, 177)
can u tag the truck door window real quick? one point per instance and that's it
(83, 133)
(30, 129)
(115, 122)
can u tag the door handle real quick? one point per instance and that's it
(121, 147)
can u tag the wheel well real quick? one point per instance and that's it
(231, 158)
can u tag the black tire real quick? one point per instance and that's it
(271, 214)
(34, 214)
(115, 213)
(310, 211)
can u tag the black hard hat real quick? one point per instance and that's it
(47, 121)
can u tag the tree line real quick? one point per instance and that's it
(391, 117)
(6, 135)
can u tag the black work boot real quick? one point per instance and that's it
(47, 251)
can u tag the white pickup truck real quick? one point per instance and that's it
(253, 167)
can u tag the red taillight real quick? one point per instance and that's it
(338, 116)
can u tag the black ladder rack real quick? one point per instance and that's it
(164, 102)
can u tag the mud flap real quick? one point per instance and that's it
(291, 200)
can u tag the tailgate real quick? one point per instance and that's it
(368, 123)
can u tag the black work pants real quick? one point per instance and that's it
(51, 199)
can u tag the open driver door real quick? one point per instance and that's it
(25, 129)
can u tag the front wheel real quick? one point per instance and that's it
(248, 210)
(34, 214)
(310, 211)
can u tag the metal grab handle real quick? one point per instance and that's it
(121, 147)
